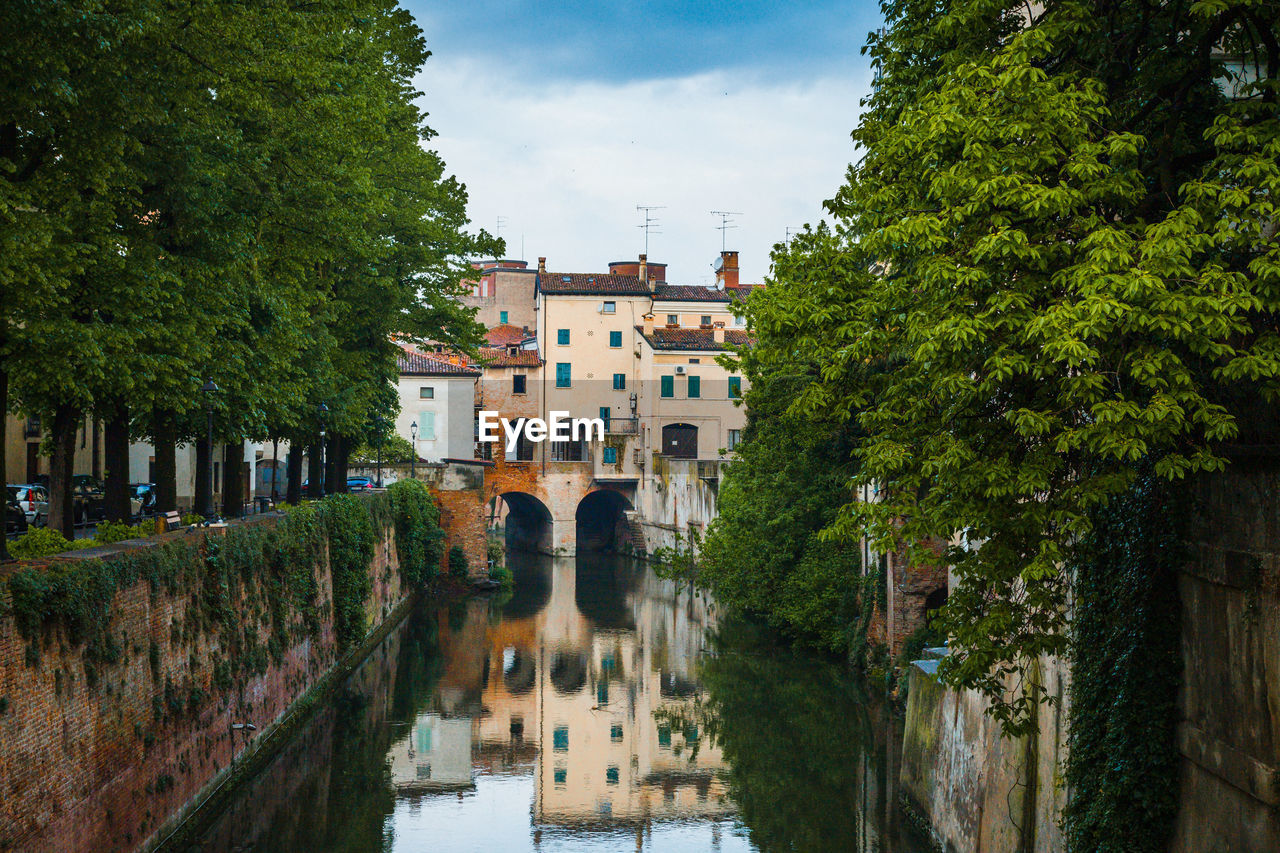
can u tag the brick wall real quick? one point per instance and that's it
(103, 768)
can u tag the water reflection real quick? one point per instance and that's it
(598, 708)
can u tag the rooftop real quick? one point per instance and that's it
(693, 339)
(591, 284)
(414, 363)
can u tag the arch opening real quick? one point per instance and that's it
(602, 522)
(527, 523)
(680, 441)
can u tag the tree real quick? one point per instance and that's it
(1058, 265)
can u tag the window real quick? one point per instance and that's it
(735, 387)
(735, 438)
(569, 451)
(615, 733)
(563, 375)
(427, 426)
(426, 392)
(560, 739)
(502, 317)
(562, 337)
(668, 386)
(706, 320)
(619, 381)
(610, 456)
(608, 308)
(518, 383)
(605, 415)
(602, 692)
(615, 340)
(695, 387)
(673, 319)
(611, 776)
(695, 361)
(739, 321)
(561, 776)
(664, 736)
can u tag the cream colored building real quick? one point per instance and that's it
(437, 393)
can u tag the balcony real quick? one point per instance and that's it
(623, 426)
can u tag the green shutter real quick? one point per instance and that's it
(695, 386)
(668, 386)
(615, 339)
(563, 375)
(735, 387)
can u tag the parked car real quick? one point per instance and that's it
(359, 484)
(33, 499)
(87, 494)
(142, 500)
(15, 520)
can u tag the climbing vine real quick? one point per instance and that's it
(419, 539)
(1122, 766)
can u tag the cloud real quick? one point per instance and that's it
(625, 40)
(567, 163)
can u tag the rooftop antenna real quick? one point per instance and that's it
(724, 225)
(650, 222)
(502, 220)
(786, 241)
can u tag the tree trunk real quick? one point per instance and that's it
(293, 491)
(4, 446)
(344, 459)
(233, 479)
(315, 473)
(62, 515)
(333, 484)
(116, 488)
(202, 502)
(166, 441)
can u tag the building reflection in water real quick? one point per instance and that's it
(587, 681)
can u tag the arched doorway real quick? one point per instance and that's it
(680, 441)
(528, 523)
(601, 521)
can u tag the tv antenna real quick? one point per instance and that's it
(502, 220)
(650, 222)
(724, 225)
(786, 241)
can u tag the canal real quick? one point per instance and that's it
(595, 708)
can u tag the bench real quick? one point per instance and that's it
(171, 520)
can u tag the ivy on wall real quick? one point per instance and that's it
(1122, 767)
(255, 589)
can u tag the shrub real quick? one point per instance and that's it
(39, 542)
(503, 576)
(457, 562)
(110, 532)
(418, 534)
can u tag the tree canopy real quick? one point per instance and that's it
(1056, 264)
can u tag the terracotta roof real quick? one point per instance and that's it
(591, 284)
(742, 291)
(501, 357)
(413, 363)
(506, 334)
(693, 339)
(690, 293)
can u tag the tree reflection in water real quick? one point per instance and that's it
(812, 761)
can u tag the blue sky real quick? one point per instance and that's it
(562, 117)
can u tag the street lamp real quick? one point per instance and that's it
(380, 425)
(413, 457)
(209, 389)
(321, 412)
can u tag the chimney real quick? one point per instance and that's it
(717, 331)
(727, 270)
(648, 322)
(542, 266)
(644, 269)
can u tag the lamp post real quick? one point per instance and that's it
(380, 425)
(209, 389)
(413, 457)
(321, 412)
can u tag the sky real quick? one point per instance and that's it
(562, 117)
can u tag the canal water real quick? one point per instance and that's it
(595, 708)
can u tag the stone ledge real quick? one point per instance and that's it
(1233, 766)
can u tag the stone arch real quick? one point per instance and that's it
(528, 522)
(601, 521)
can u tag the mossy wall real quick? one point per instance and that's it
(123, 668)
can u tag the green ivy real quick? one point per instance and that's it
(1122, 766)
(350, 533)
(457, 563)
(419, 539)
